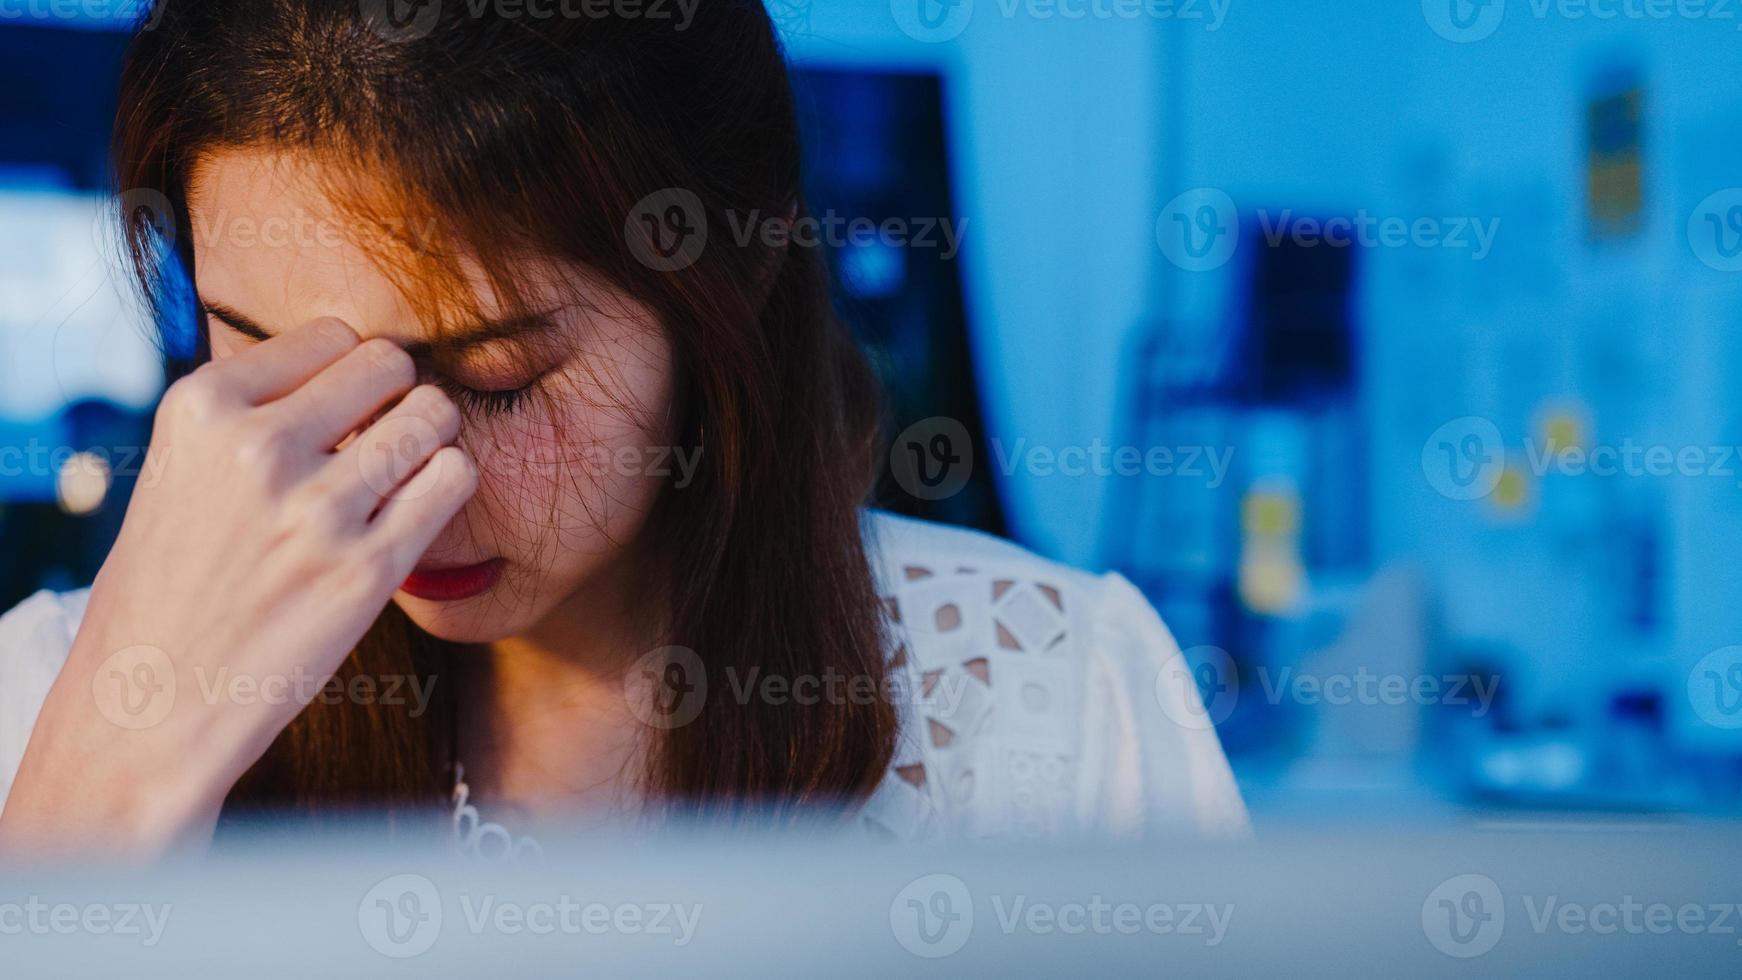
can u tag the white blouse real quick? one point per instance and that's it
(1037, 701)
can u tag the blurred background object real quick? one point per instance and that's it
(1390, 348)
(79, 372)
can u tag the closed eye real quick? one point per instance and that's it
(476, 401)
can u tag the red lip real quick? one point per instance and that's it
(453, 584)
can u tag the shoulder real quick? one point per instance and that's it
(35, 636)
(1039, 700)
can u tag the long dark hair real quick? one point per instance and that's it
(511, 136)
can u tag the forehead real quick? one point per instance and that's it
(270, 242)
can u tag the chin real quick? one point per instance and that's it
(480, 619)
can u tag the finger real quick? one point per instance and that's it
(273, 368)
(345, 395)
(390, 452)
(411, 519)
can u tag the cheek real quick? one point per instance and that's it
(572, 474)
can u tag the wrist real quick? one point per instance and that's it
(88, 785)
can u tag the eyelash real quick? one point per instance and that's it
(488, 402)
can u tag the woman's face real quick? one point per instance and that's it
(568, 416)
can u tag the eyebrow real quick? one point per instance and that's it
(479, 332)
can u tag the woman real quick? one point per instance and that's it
(453, 309)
